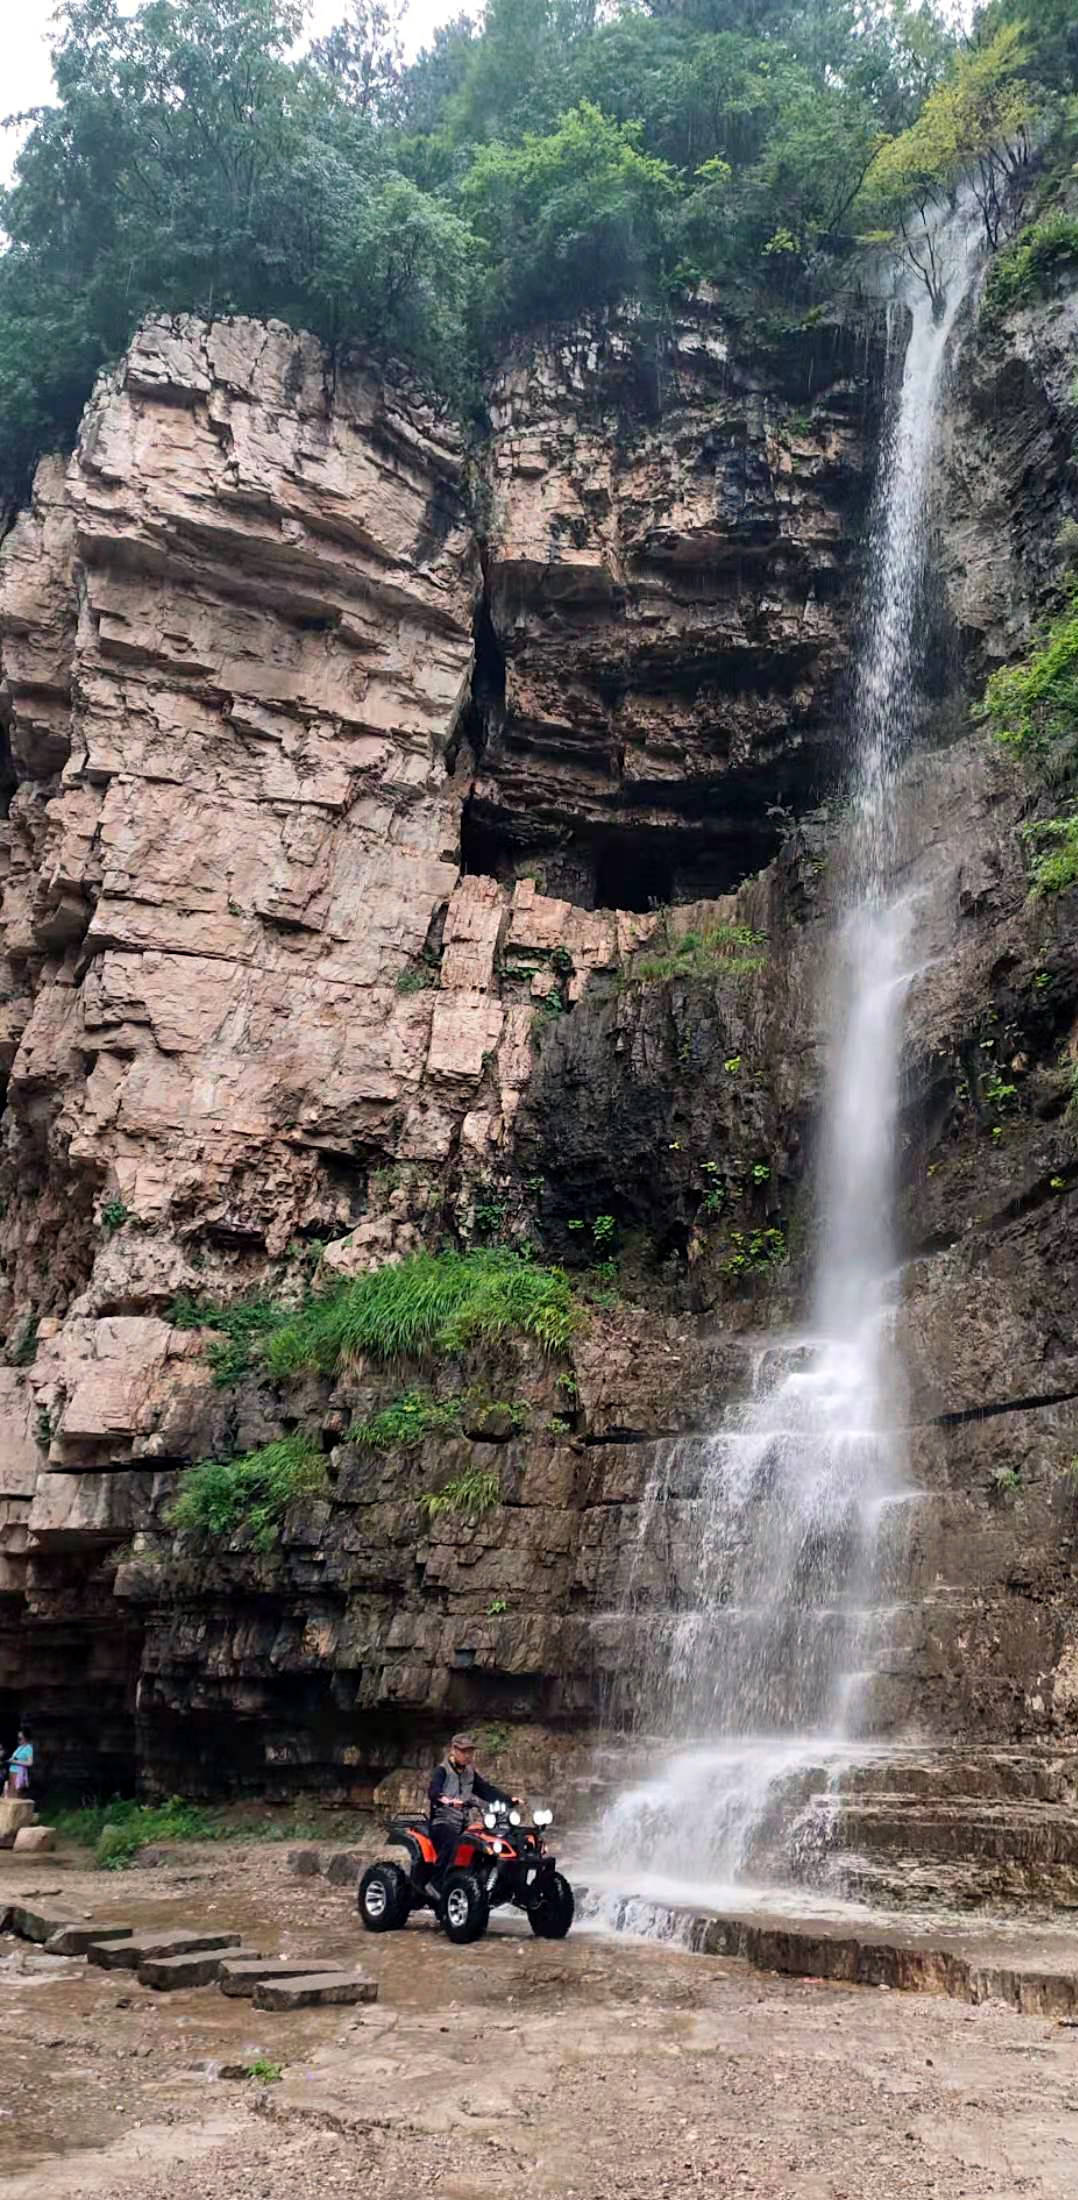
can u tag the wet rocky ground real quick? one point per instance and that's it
(589, 2068)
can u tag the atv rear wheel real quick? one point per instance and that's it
(555, 1910)
(382, 1898)
(465, 1907)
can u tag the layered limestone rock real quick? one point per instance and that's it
(321, 946)
(672, 556)
(257, 999)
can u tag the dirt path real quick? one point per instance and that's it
(585, 2069)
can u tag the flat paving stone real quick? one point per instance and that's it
(241, 1974)
(32, 1921)
(327, 1987)
(74, 1940)
(168, 1974)
(128, 1955)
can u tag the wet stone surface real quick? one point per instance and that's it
(579, 2070)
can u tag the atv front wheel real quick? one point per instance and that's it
(555, 1910)
(465, 1907)
(382, 1898)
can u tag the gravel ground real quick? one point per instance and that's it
(589, 2069)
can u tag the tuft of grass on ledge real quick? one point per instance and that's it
(431, 1303)
(471, 1494)
(239, 1328)
(722, 951)
(219, 1497)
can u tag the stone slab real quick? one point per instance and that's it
(128, 1955)
(168, 1974)
(241, 1974)
(32, 1921)
(74, 1940)
(306, 1863)
(1035, 1972)
(34, 1840)
(328, 1988)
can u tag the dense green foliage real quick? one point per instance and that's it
(430, 1303)
(403, 1425)
(221, 1496)
(116, 1831)
(239, 1326)
(200, 155)
(1032, 707)
(1026, 267)
(722, 951)
(409, 1420)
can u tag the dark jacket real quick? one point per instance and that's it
(453, 1787)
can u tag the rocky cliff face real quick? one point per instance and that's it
(335, 840)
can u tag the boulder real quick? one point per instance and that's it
(15, 1817)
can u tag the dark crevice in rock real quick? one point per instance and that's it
(994, 1408)
(639, 1435)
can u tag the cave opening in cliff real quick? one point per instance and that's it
(632, 873)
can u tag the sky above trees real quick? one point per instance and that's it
(27, 74)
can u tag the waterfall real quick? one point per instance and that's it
(765, 1679)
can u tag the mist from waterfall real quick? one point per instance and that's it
(765, 1679)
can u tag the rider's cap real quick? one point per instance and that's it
(463, 1741)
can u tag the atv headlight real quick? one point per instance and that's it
(489, 1820)
(514, 1818)
(543, 1817)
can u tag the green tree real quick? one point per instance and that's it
(191, 162)
(975, 128)
(569, 222)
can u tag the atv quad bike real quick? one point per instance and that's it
(497, 1859)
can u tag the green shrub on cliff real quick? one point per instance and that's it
(1027, 267)
(429, 1303)
(403, 1425)
(1054, 853)
(221, 1496)
(471, 1494)
(722, 951)
(1032, 708)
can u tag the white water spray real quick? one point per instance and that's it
(767, 1677)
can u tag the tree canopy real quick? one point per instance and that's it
(201, 155)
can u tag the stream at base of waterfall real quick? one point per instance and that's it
(756, 1694)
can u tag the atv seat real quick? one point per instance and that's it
(410, 1821)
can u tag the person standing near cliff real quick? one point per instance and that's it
(20, 1765)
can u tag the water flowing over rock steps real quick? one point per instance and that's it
(1029, 1971)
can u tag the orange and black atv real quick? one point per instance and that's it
(497, 1859)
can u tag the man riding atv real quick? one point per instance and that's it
(455, 1788)
(474, 1853)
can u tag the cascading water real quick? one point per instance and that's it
(796, 1502)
